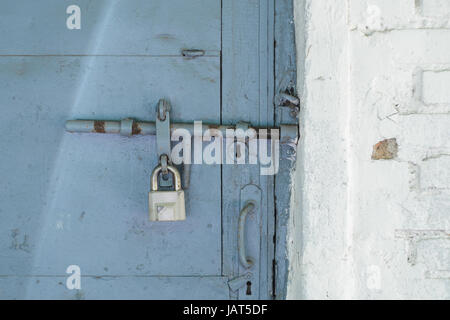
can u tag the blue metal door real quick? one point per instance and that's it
(80, 199)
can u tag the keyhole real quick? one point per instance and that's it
(249, 288)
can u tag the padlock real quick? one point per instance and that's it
(166, 205)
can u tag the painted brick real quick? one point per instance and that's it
(435, 254)
(419, 136)
(367, 12)
(436, 87)
(434, 8)
(372, 16)
(435, 173)
(430, 90)
(419, 47)
(426, 208)
(381, 73)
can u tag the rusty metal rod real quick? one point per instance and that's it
(129, 127)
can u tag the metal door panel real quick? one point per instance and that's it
(106, 87)
(247, 95)
(110, 27)
(120, 287)
(82, 199)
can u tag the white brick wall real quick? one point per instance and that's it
(363, 228)
(435, 87)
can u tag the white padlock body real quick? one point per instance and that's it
(166, 205)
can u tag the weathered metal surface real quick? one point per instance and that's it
(131, 27)
(116, 287)
(81, 199)
(286, 95)
(247, 94)
(126, 127)
(86, 194)
(288, 133)
(285, 86)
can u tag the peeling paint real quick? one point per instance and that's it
(386, 149)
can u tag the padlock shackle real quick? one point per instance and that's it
(175, 173)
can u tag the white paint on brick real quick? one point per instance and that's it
(361, 228)
(434, 8)
(373, 280)
(429, 89)
(436, 87)
(398, 15)
(435, 173)
(438, 274)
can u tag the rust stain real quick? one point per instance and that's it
(135, 129)
(99, 126)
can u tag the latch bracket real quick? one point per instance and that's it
(163, 129)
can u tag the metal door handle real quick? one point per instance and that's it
(247, 262)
